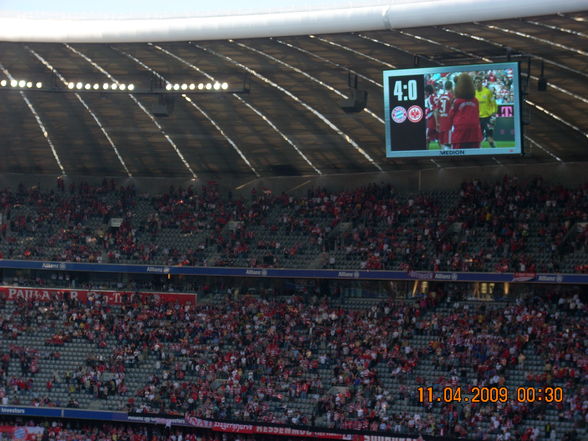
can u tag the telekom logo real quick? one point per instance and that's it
(506, 111)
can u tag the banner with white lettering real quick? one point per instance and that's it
(250, 429)
(187, 421)
(13, 293)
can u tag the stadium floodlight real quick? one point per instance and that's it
(213, 85)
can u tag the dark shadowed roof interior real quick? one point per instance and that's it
(290, 122)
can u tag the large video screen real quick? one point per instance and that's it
(453, 111)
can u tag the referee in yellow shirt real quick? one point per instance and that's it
(488, 109)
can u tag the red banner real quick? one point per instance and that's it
(84, 295)
(286, 431)
(268, 430)
(523, 277)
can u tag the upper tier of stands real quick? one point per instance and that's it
(504, 226)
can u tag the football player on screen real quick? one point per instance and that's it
(431, 103)
(488, 109)
(445, 102)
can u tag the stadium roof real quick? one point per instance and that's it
(126, 22)
(290, 122)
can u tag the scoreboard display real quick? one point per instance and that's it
(416, 100)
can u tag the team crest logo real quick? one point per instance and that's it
(415, 114)
(399, 114)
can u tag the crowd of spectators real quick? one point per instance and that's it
(508, 213)
(508, 225)
(253, 359)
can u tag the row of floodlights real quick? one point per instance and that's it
(200, 86)
(21, 83)
(116, 86)
(96, 86)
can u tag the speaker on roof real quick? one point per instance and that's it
(357, 98)
(164, 107)
(356, 101)
(160, 110)
(542, 82)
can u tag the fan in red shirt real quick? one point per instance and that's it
(445, 102)
(464, 116)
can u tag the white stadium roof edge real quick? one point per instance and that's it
(348, 18)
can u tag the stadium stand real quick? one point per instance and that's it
(507, 226)
(290, 361)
